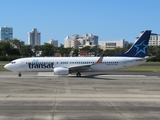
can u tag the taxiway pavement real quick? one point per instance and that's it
(114, 96)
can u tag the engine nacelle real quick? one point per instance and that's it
(61, 71)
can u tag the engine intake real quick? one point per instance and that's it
(61, 71)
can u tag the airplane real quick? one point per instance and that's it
(136, 55)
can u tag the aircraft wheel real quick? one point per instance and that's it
(19, 75)
(78, 74)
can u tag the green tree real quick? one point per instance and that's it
(118, 51)
(48, 50)
(8, 51)
(60, 50)
(67, 51)
(5, 48)
(26, 51)
(96, 50)
(37, 49)
(75, 52)
(87, 49)
(16, 43)
(109, 52)
(64, 51)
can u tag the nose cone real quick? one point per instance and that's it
(6, 67)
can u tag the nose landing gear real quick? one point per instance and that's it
(19, 74)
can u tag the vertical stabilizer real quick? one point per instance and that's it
(139, 48)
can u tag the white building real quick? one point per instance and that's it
(67, 42)
(154, 39)
(53, 42)
(71, 42)
(113, 44)
(80, 41)
(34, 37)
(6, 33)
(90, 39)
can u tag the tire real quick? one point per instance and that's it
(78, 74)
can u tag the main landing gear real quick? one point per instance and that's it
(19, 74)
(78, 74)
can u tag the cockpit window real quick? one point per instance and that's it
(13, 62)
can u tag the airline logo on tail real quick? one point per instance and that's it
(141, 48)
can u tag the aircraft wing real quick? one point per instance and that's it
(82, 68)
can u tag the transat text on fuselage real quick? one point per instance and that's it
(36, 64)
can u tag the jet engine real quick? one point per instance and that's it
(61, 71)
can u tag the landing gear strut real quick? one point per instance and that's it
(78, 74)
(19, 74)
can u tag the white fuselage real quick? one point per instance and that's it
(47, 64)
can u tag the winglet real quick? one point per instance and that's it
(100, 59)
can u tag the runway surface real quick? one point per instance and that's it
(114, 96)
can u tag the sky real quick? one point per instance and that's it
(56, 19)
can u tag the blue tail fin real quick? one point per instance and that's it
(139, 48)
